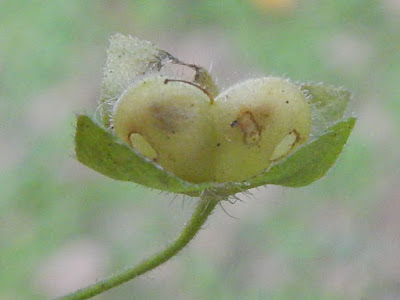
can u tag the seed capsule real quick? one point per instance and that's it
(233, 137)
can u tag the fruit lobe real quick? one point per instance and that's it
(173, 118)
(253, 118)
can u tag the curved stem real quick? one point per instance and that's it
(203, 209)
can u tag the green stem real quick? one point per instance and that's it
(203, 209)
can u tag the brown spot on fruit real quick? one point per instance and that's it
(249, 127)
(168, 117)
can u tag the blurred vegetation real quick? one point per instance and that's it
(62, 226)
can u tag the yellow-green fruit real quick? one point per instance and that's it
(169, 122)
(258, 121)
(233, 138)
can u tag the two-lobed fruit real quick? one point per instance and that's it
(199, 139)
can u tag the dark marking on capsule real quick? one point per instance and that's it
(168, 117)
(249, 127)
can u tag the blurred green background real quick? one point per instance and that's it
(62, 226)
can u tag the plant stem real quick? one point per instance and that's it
(203, 209)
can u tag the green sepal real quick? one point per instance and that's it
(328, 104)
(308, 164)
(101, 151)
